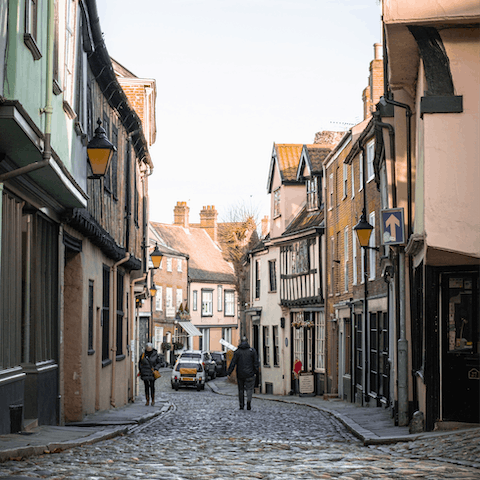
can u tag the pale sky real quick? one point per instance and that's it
(235, 76)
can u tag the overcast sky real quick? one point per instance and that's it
(235, 76)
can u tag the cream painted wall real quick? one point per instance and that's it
(413, 10)
(279, 376)
(452, 155)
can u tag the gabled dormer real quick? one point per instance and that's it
(310, 172)
(287, 193)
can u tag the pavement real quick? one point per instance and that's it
(374, 426)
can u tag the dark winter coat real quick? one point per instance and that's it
(245, 359)
(148, 360)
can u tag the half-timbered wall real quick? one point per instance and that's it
(300, 272)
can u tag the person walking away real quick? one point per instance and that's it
(245, 359)
(148, 363)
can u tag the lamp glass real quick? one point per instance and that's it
(153, 290)
(363, 236)
(156, 257)
(99, 159)
(364, 230)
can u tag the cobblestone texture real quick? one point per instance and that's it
(205, 436)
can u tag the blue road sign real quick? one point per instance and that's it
(393, 226)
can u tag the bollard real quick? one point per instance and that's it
(16, 418)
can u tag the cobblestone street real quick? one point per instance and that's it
(205, 436)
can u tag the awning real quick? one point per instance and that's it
(191, 329)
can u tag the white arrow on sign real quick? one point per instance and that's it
(391, 223)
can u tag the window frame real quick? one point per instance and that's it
(207, 304)
(30, 35)
(276, 202)
(266, 345)
(372, 253)
(272, 275)
(194, 300)
(370, 159)
(229, 303)
(159, 298)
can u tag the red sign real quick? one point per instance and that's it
(297, 367)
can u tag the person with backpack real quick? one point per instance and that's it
(148, 366)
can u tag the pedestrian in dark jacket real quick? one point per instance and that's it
(149, 361)
(245, 359)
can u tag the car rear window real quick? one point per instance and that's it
(196, 365)
(191, 355)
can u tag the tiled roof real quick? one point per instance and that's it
(304, 220)
(316, 155)
(206, 262)
(288, 157)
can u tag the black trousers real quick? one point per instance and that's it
(245, 385)
(149, 388)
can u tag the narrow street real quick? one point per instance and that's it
(203, 435)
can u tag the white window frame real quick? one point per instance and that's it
(345, 258)
(266, 345)
(312, 194)
(169, 264)
(229, 303)
(320, 341)
(276, 202)
(352, 175)
(370, 157)
(345, 180)
(195, 300)
(179, 265)
(372, 253)
(330, 191)
(69, 63)
(207, 303)
(360, 172)
(179, 297)
(219, 298)
(205, 338)
(276, 347)
(354, 259)
(159, 298)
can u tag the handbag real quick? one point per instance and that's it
(156, 374)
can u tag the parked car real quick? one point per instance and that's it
(221, 363)
(205, 358)
(188, 372)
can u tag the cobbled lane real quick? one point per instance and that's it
(205, 436)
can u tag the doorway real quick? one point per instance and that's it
(460, 347)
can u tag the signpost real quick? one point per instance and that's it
(393, 226)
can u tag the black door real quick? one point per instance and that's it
(460, 347)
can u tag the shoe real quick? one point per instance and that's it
(241, 408)
(249, 406)
(147, 402)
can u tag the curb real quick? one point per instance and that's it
(105, 434)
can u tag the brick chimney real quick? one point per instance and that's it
(371, 95)
(180, 214)
(208, 221)
(265, 226)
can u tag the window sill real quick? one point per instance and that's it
(57, 89)
(69, 110)
(106, 363)
(91, 352)
(119, 358)
(32, 46)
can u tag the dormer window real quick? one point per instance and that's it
(276, 203)
(313, 193)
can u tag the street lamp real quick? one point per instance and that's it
(153, 290)
(364, 230)
(100, 151)
(156, 257)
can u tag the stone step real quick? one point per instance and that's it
(30, 424)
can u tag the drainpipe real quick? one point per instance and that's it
(402, 343)
(113, 310)
(133, 331)
(366, 323)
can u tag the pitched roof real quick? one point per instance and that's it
(312, 157)
(304, 220)
(286, 157)
(206, 262)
